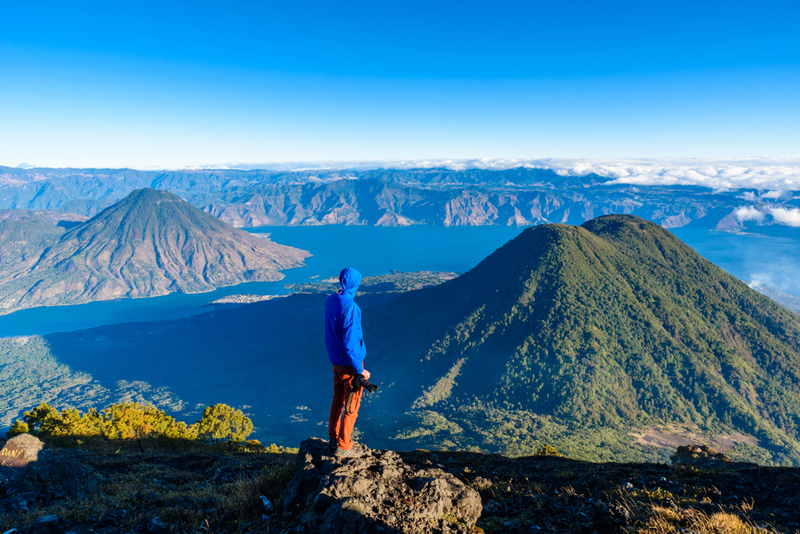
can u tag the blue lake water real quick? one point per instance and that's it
(377, 250)
(371, 250)
(772, 259)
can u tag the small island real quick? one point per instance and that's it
(394, 282)
(234, 301)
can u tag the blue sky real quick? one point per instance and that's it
(90, 84)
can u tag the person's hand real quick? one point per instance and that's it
(365, 374)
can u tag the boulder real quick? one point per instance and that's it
(15, 457)
(46, 522)
(375, 492)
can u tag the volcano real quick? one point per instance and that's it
(595, 338)
(150, 243)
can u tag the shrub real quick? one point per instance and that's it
(132, 421)
(221, 422)
(547, 450)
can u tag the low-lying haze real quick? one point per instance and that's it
(775, 174)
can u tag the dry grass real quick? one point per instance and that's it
(188, 492)
(667, 520)
(243, 496)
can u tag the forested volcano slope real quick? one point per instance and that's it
(577, 335)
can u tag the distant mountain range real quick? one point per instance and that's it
(150, 243)
(611, 340)
(382, 197)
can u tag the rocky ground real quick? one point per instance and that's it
(151, 492)
(556, 494)
(374, 492)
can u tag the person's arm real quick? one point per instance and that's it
(353, 339)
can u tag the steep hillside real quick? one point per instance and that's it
(567, 332)
(22, 241)
(150, 243)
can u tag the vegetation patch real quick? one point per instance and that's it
(131, 422)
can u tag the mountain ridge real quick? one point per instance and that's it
(384, 197)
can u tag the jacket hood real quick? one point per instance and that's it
(350, 279)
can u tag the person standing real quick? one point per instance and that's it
(346, 351)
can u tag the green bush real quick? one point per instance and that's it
(547, 450)
(220, 422)
(132, 421)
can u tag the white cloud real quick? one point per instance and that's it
(773, 174)
(779, 214)
(749, 214)
(768, 173)
(787, 216)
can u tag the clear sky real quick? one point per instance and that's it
(92, 84)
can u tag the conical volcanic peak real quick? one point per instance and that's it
(150, 243)
(615, 324)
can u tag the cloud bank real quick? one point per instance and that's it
(787, 216)
(779, 214)
(775, 174)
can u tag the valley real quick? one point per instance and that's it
(576, 231)
(255, 353)
(610, 339)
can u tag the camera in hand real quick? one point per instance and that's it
(361, 381)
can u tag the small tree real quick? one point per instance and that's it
(222, 422)
(132, 420)
(70, 423)
(17, 428)
(41, 419)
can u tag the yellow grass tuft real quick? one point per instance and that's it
(668, 520)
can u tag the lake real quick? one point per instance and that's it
(372, 250)
(773, 260)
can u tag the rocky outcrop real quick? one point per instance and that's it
(47, 477)
(15, 457)
(375, 492)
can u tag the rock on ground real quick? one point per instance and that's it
(30, 445)
(376, 492)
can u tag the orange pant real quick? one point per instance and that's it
(343, 418)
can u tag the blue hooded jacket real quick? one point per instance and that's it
(343, 335)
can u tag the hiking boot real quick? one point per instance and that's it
(355, 452)
(333, 444)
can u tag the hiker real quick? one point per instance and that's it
(346, 351)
